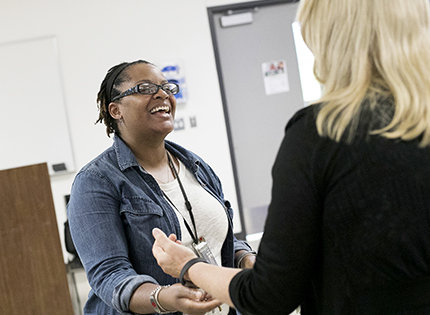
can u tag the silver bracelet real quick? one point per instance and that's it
(243, 255)
(153, 297)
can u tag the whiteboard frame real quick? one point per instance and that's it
(32, 98)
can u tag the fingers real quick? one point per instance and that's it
(172, 237)
(158, 252)
(208, 306)
(191, 301)
(193, 307)
(200, 301)
(161, 242)
(206, 296)
(195, 294)
(170, 255)
(159, 235)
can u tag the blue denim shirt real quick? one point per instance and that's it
(114, 205)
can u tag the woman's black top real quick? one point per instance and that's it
(348, 228)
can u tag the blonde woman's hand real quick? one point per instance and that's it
(170, 255)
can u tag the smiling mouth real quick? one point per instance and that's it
(157, 109)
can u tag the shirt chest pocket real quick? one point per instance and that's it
(140, 208)
(139, 216)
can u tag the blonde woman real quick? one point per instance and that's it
(348, 229)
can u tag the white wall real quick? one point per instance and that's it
(94, 35)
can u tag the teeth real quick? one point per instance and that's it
(160, 108)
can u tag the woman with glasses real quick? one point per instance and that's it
(348, 226)
(144, 181)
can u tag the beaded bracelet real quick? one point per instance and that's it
(153, 297)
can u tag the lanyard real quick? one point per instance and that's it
(187, 203)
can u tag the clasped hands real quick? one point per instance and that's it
(171, 255)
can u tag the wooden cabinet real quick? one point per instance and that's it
(33, 276)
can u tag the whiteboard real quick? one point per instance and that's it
(34, 118)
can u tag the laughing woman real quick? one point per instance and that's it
(144, 181)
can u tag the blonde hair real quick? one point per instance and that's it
(365, 49)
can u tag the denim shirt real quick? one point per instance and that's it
(114, 205)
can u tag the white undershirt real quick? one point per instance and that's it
(209, 215)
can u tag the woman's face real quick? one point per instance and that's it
(143, 116)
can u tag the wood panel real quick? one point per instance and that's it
(33, 276)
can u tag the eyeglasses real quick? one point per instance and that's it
(149, 89)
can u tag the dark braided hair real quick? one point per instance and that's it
(109, 89)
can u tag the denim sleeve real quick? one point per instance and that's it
(100, 240)
(122, 293)
(241, 245)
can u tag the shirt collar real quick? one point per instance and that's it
(126, 158)
(124, 155)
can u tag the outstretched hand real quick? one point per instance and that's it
(170, 255)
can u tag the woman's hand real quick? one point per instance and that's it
(187, 300)
(170, 255)
(248, 262)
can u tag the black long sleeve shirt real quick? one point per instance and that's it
(348, 227)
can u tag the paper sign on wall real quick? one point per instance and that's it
(275, 77)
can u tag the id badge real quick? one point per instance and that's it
(202, 250)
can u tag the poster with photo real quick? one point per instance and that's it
(275, 77)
